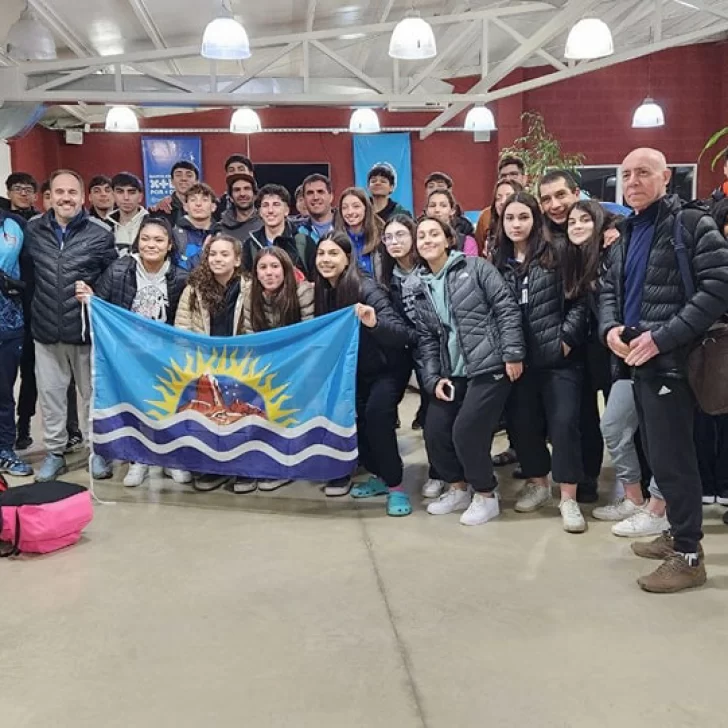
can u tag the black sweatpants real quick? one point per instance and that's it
(548, 402)
(10, 353)
(596, 378)
(459, 434)
(666, 411)
(377, 399)
(711, 447)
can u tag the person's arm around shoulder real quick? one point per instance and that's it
(387, 326)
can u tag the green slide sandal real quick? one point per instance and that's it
(398, 504)
(372, 488)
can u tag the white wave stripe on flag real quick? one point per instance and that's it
(192, 415)
(228, 455)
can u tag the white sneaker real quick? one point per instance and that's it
(481, 510)
(708, 500)
(136, 475)
(617, 511)
(433, 488)
(571, 516)
(533, 497)
(642, 523)
(244, 485)
(453, 499)
(179, 476)
(338, 488)
(272, 484)
(721, 500)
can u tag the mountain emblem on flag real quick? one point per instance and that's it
(209, 401)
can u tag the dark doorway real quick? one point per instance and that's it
(288, 175)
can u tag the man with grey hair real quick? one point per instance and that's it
(647, 320)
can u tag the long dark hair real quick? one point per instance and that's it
(447, 230)
(173, 252)
(536, 248)
(494, 216)
(371, 225)
(388, 262)
(581, 262)
(285, 299)
(347, 290)
(204, 284)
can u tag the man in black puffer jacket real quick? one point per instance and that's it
(67, 247)
(646, 320)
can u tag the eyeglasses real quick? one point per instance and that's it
(22, 189)
(400, 236)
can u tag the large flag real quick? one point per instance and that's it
(278, 404)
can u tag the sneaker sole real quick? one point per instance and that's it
(575, 529)
(268, 489)
(447, 513)
(610, 519)
(431, 495)
(673, 590)
(642, 534)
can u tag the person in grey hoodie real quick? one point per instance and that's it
(241, 218)
(470, 347)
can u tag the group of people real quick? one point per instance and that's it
(519, 322)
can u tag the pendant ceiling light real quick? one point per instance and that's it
(245, 121)
(480, 118)
(225, 39)
(29, 40)
(364, 121)
(412, 39)
(648, 116)
(121, 118)
(589, 38)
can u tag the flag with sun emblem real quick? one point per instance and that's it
(278, 404)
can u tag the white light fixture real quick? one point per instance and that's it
(480, 118)
(245, 121)
(364, 121)
(30, 40)
(121, 118)
(589, 38)
(225, 39)
(648, 116)
(412, 39)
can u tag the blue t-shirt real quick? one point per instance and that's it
(11, 243)
(365, 261)
(635, 266)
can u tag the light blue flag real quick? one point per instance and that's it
(278, 404)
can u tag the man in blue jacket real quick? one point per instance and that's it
(11, 339)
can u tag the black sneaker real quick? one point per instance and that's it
(23, 441)
(75, 443)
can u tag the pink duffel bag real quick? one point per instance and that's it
(42, 517)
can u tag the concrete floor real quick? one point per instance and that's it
(290, 610)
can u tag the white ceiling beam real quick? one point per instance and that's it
(65, 79)
(152, 55)
(571, 11)
(310, 14)
(641, 10)
(555, 62)
(306, 67)
(484, 48)
(76, 112)
(717, 12)
(657, 21)
(366, 48)
(152, 30)
(163, 78)
(259, 68)
(54, 22)
(457, 42)
(368, 80)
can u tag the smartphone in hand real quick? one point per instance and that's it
(629, 334)
(449, 391)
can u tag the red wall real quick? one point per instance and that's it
(590, 114)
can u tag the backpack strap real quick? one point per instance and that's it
(681, 255)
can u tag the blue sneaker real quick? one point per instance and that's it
(52, 467)
(12, 464)
(100, 469)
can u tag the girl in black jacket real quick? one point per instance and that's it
(382, 365)
(470, 348)
(148, 283)
(546, 400)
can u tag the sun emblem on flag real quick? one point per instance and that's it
(223, 388)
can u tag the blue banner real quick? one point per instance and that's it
(159, 154)
(393, 148)
(278, 404)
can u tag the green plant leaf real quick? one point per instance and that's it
(717, 158)
(713, 141)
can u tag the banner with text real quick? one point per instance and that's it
(159, 154)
